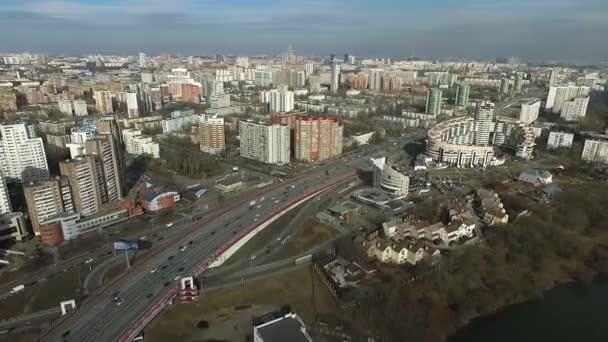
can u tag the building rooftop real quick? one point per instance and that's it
(288, 328)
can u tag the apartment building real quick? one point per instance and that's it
(211, 134)
(318, 138)
(595, 150)
(559, 139)
(47, 199)
(268, 144)
(22, 154)
(85, 178)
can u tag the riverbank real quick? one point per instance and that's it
(558, 244)
(568, 313)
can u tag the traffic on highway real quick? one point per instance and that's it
(109, 313)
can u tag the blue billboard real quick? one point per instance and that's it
(126, 245)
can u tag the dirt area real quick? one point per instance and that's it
(302, 289)
(311, 235)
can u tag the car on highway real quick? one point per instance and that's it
(177, 277)
(154, 270)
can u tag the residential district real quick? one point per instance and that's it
(133, 187)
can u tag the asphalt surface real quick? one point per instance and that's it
(100, 319)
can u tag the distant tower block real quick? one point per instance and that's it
(188, 292)
(67, 305)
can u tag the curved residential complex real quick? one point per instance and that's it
(470, 141)
(390, 177)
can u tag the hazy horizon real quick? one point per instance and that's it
(533, 30)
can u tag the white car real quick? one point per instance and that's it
(154, 270)
(169, 225)
(177, 277)
(183, 248)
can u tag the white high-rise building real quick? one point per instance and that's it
(103, 101)
(280, 100)
(132, 105)
(375, 79)
(5, 200)
(595, 150)
(265, 143)
(309, 68)
(529, 111)
(553, 77)
(142, 60)
(65, 106)
(559, 95)
(80, 108)
(242, 62)
(138, 144)
(484, 123)
(22, 155)
(559, 139)
(576, 109)
(335, 77)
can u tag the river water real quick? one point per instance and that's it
(565, 314)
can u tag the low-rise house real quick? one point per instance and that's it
(459, 228)
(495, 212)
(400, 253)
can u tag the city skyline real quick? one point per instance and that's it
(534, 30)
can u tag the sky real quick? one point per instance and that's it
(534, 30)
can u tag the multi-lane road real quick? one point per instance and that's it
(102, 319)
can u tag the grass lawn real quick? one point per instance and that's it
(62, 286)
(302, 289)
(262, 238)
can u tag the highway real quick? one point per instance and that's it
(100, 319)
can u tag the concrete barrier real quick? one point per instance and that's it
(225, 249)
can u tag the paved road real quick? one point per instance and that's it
(100, 319)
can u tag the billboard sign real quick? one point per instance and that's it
(126, 245)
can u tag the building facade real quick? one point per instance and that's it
(85, 177)
(211, 134)
(335, 77)
(595, 150)
(318, 138)
(575, 110)
(462, 95)
(268, 144)
(529, 111)
(433, 101)
(103, 101)
(22, 154)
(559, 139)
(390, 178)
(45, 200)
